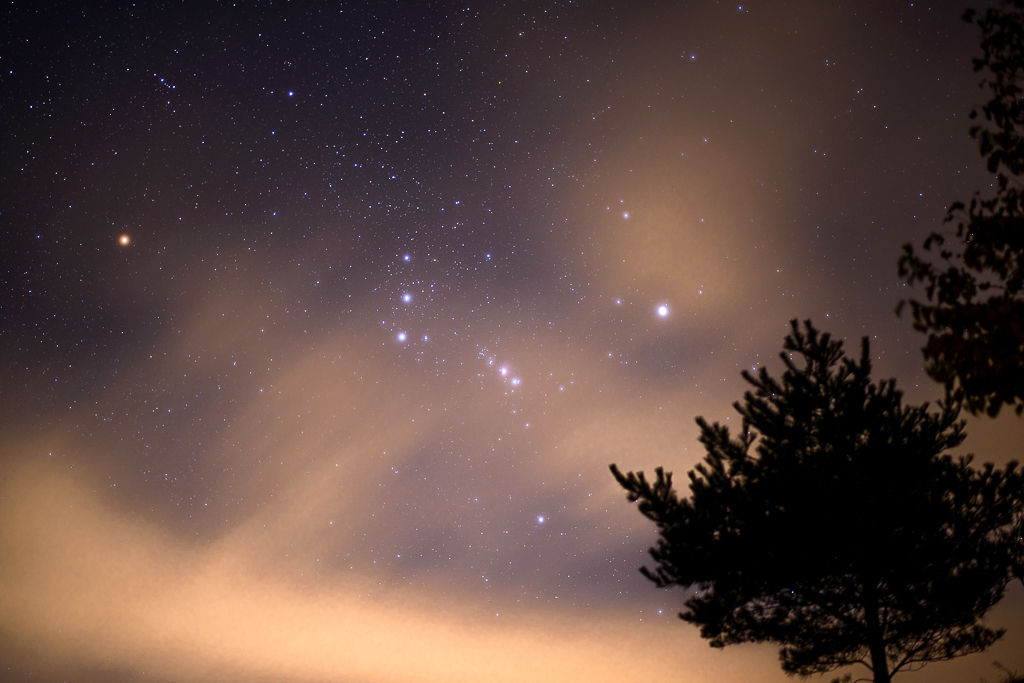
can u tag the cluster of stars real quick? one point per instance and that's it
(334, 172)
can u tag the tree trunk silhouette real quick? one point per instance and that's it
(876, 642)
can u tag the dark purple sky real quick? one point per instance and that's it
(342, 407)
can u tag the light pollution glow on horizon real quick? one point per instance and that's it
(321, 455)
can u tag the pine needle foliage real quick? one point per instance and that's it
(835, 524)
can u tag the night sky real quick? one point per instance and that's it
(321, 323)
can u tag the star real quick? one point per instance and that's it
(663, 311)
(124, 240)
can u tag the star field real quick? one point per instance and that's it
(332, 316)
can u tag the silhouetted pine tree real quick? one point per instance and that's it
(833, 524)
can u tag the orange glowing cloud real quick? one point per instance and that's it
(87, 586)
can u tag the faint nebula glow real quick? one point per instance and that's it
(183, 417)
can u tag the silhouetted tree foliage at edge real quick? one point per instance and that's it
(1008, 675)
(974, 313)
(833, 524)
